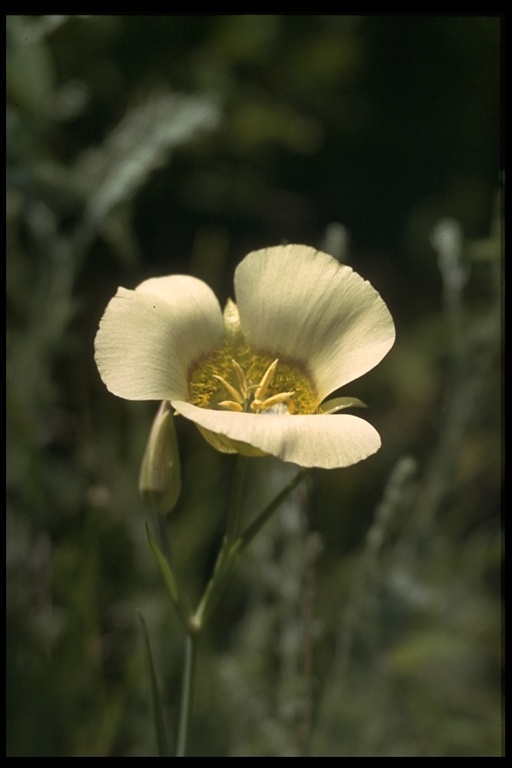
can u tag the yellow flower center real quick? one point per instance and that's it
(252, 382)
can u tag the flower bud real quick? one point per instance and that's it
(160, 475)
(232, 327)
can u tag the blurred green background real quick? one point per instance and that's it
(366, 619)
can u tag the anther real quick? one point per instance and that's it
(265, 381)
(262, 405)
(230, 405)
(231, 390)
(242, 381)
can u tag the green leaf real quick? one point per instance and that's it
(169, 579)
(156, 707)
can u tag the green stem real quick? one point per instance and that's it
(232, 551)
(215, 587)
(235, 509)
(181, 604)
(267, 513)
(187, 693)
(227, 559)
(224, 563)
(164, 538)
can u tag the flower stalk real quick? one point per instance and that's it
(187, 693)
(229, 556)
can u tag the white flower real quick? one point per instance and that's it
(254, 379)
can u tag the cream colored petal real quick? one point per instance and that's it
(149, 337)
(300, 303)
(310, 441)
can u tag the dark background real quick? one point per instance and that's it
(367, 619)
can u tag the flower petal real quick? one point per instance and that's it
(310, 441)
(300, 303)
(340, 403)
(149, 337)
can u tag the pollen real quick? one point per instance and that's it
(251, 382)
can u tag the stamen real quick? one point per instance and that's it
(231, 390)
(230, 405)
(252, 382)
(242, 381)
(265, 382)
(258, 405)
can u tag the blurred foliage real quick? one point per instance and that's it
(366, 619)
